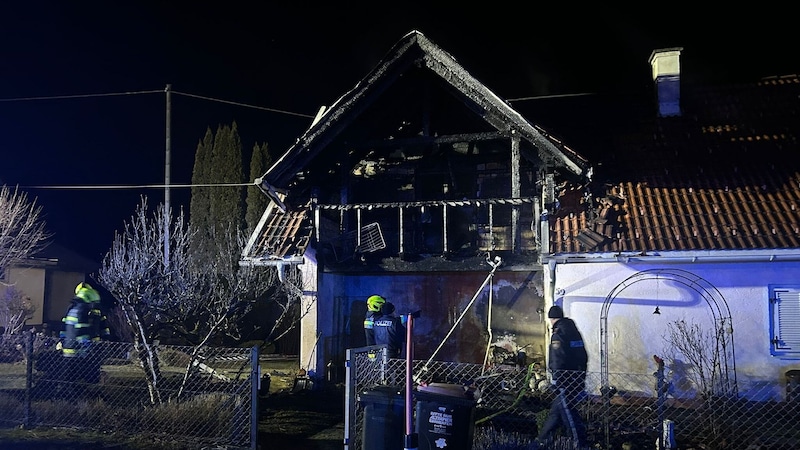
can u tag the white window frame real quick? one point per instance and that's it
(784, 321)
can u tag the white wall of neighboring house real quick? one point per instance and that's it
(635, 333)
(31, 282)
(49, 289)
(310, 358)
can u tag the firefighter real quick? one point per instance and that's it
(374, 304)
(84, 325)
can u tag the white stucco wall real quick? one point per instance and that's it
(31, 282)
(635, 334)
(309, 356)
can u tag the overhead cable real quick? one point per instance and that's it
(138, 186)
(61, 97)
(244, 104)
(115, 94)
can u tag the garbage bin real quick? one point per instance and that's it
(445, 417)
(384, 418)
(793, 385)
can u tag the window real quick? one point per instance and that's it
(784, 303)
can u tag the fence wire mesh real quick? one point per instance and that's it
(201, 400)
(632, 411)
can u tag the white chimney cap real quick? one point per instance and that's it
(666, 62)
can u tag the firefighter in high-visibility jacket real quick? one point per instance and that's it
(84, 325)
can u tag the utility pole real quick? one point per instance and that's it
(167, 212)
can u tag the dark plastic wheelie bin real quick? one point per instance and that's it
(384, 418)
(445, 419)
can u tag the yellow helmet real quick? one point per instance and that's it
(87, 293)
(375, 302)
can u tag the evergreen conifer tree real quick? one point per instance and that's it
(256, 201)
(227, 202)
(200, 203)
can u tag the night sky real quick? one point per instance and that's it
(288, 61)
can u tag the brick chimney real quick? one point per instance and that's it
(666, 65)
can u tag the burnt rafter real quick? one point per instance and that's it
(426, 150)
(411, 54)
(430, 203)
(433, 140)
(340, 115)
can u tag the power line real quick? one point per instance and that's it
(61, 97)
(544, 97)
(145, 186)
(244, 105)
(139, 186)
(117, 94)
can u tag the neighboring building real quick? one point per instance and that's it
(48, 279)
(693, 217)
(681, 199)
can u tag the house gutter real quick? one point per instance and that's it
(708, 257)
(279, 264)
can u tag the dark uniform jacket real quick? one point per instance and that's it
(84, 323)
(369, 326)
(389, 330)
(568, 358)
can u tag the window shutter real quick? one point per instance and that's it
(786, 320)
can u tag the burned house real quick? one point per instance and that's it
(419, 176)
(412, 185)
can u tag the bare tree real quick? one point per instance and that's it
(22, 235)
(22, 229)
(196, 299)
(230, 290)
(228, 293)
(697, 352)
(292, 301)
(149, 291)
(15, 308)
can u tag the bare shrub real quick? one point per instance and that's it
(22, 229)
(15, 309)
(697, 354)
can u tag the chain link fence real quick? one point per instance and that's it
(205, 400)
(642, 411)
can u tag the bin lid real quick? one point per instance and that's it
(381, 393)
(445, 393)
(454, 390)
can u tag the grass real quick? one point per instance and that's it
(285, 416)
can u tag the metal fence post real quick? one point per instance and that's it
(255, 380)
(349, 396)
(28, 376)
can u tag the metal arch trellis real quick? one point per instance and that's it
(719, 310)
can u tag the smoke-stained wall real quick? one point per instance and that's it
(444, 299)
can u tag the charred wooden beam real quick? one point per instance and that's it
(423, 141)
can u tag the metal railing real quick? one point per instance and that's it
(632, 408)
(205, 401)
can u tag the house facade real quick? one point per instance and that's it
(48, 282)
(694, 235)
(679, 209)
(412, 186)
